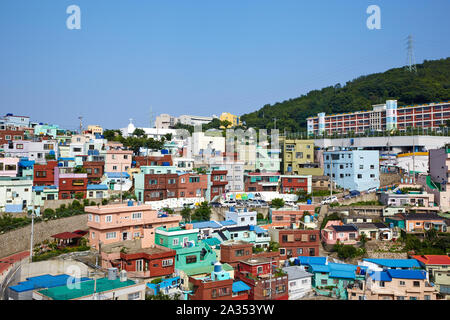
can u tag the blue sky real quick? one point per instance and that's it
(199, 57)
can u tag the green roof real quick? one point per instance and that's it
(86, 289)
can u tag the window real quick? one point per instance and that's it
(136, 215)
(402, 283)
(359, 176)
(259, 269)
(282, 251)
(167, 262)
(97, 218)
(382, 284)
(108, 218)
(93, 235)
(239, 253)
(111, 235)
(299, 251)
(400, 298)
(191, 259)
(90, 217)
(175, 242)
(19, 146)
(416, 283)
(323, 282)
(134, 296)
(136, 234)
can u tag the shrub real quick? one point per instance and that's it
(277, 203)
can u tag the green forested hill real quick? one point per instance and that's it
(430, 84)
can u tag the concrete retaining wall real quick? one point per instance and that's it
(19, 240)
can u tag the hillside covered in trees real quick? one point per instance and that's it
(430, 84)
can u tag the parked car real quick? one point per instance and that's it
(229, 203)
(215, 204)
(371, 190)
(329, 200)
(355, 193)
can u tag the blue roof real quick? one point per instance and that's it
(227, 223)
(319, 268)
(44, 281)
(96, 187)
(206, 224)
(41, 188)
(407, 274)
(240, 286)
(395, 263)
(312, 260)
(260, 230)
(117, 175)
(66, 159)
(380, 276)
(342, 274)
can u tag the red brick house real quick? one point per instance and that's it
(233, 251)
(264, 283)
(296, 242)
(162, 160)
(264, 181)
(95, 171)
(294, 183)
(173, 185)
(218, 182)
(44, 174)
(9, 134)
(69, 183)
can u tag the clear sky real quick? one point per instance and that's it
(199, 57)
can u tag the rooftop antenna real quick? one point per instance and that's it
(151, 117)
(411, 60)
(81, 124)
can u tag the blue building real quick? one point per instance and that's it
(353, 169)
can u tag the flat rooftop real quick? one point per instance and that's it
(86, 289)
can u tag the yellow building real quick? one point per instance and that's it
(298, 157)
(234, 120)
(95, 129)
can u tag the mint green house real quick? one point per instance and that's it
(191, 253)
(332, 279)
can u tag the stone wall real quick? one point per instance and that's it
(53, 204)
(19, 239)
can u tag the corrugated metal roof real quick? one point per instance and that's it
(407, 274)
(395, 263)
(342, 274)
(44, 281)
(206, 224)
(96, 187)
(240, 286)
(312, 260)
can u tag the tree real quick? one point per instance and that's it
(203, 212)
(186, 213)
(225, 123)
(363, 239)
(273, 246)
(277, 203)
(168, 210)
(138, 132)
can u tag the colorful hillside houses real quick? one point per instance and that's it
(193, 257)
(169, 286)
(217, 286)
(250, 233)
(335, 231)
(438, 269)
(299, 282)
(393, 284)
(332, 279)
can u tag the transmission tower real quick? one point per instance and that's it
(411, 60)
(81, 124)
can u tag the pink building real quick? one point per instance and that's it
(119, 222)
(118, 160)
(8, 167)
(335, 231)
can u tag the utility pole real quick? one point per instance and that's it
(121, 183)
(331, 174)
(414, 161)
(275, 123)
(270, 284)
(32, 235)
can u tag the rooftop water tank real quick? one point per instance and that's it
(123, 276)
(217, 267)
(252, 228)
(309, 201)
(130, 203)
(307, 219)
(164, 151)
(112, 273)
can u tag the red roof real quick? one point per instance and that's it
(433, 259)
(67, 235)
(6, 262)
